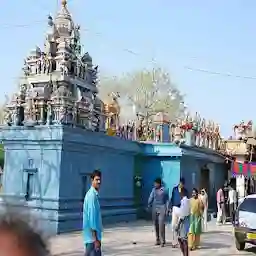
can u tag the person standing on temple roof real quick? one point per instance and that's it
(92, 223)
(174, 207)
(158, 202)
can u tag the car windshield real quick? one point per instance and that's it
(248, 205)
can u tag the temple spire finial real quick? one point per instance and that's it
(64, 3)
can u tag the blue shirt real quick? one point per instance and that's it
(91, 216)
(158, 198)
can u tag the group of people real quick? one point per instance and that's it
(226, 204)
(188, 215)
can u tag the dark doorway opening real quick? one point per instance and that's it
(205, 179)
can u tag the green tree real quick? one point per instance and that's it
(147, 92)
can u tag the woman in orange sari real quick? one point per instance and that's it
(195, 230)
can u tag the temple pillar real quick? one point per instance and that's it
(32, 171)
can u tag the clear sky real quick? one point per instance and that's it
(218, 35)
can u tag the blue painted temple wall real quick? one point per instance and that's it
(58, 161)
(160, 160)
(84, 152)
(197, 164)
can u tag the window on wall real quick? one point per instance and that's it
(29, 186)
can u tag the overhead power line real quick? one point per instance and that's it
(219, 73)
(4, 26)
(134, 53)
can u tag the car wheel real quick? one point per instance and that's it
(240, 246)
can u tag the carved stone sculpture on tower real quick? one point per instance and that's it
(53, 76)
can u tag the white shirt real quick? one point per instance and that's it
(184, 207)
(232, 196)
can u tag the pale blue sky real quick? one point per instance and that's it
(213, 35)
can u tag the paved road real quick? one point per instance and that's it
(137, 239)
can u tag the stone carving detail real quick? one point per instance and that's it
(201, 133)
(59, 84)
(243, 130)
(112, 113)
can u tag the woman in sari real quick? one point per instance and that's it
(204, 198)
(195, 229)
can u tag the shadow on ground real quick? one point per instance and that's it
(211, 245)
(213, 232)
(251, 249)
(74, 253)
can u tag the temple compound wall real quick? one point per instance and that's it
(201, 168)
(48, 170)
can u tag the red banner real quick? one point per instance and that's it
(246, 169)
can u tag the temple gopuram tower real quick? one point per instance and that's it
(58, 85)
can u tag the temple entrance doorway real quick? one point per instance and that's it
(205, 179)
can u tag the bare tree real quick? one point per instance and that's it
(146, 92)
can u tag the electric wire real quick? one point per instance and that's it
(130, 51)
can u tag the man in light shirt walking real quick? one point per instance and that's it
(92, 224)
(221, 215)
(158, 202)
(232, 201)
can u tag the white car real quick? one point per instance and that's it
(245, 222)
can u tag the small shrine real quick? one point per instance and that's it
(59, 81)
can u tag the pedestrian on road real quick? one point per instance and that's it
(204, 198)
(175, 207)
(92, 223)
(221, 215)
(183, 223)
(196, 212)
(232, 201)
(158, 202)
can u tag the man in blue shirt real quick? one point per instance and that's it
(92, 223)
(175, 205)
(158, 201)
